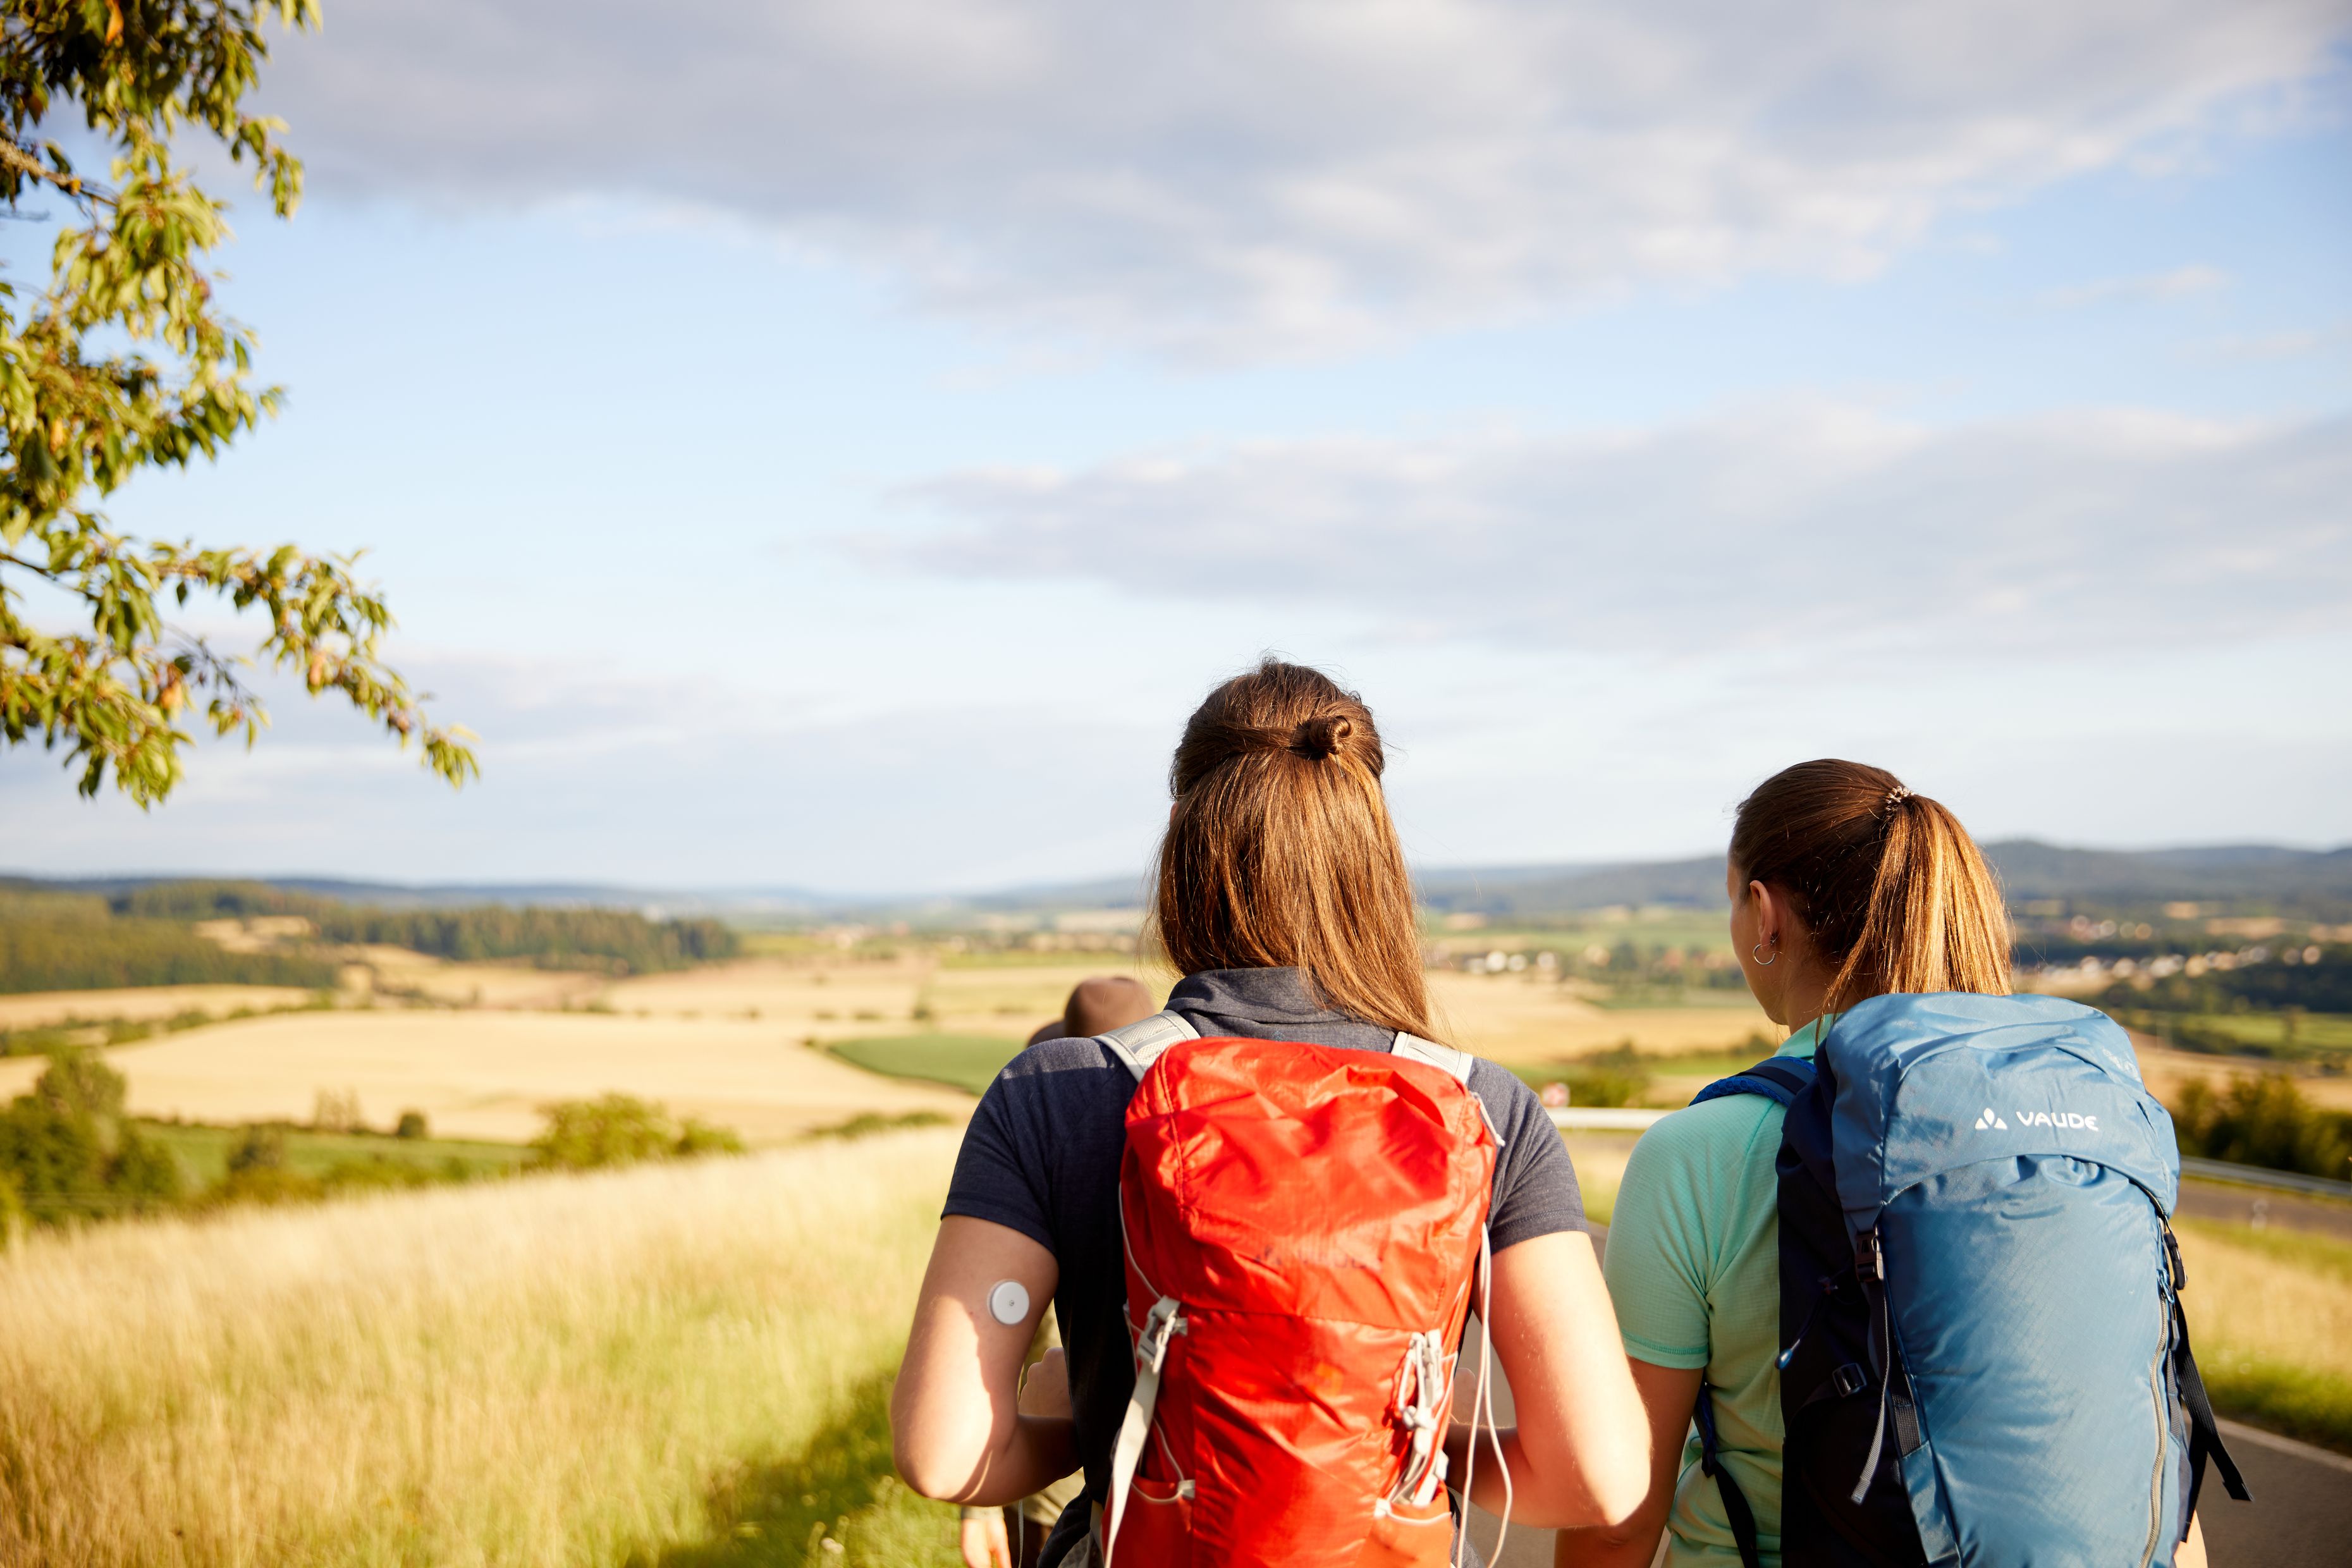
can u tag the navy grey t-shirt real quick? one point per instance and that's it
(1042, 1157)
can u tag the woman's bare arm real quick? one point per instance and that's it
(954, 1428)
(1580, 1452)
(1669, 1394)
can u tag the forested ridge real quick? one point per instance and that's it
(55, 941)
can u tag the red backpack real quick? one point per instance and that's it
(1303, 1226)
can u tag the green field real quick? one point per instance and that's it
(968, 1062)
(202, 1152)
(2269, 1031)
(1624, 997)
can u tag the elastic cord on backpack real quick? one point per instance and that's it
(1482, 1406)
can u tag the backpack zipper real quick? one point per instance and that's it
(2156, 1388)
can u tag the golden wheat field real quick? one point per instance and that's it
(142, 1004)
(483, 1074)
(680, 1365)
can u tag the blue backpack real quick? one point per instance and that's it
(1984, 1358)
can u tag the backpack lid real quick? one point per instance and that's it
(1934, 1082)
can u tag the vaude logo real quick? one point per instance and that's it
(1991, 1120)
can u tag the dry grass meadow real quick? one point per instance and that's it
(677, 1366)
(2270, 1312)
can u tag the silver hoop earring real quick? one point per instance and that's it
(1762, 962)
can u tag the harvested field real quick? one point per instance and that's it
(843, 1000)
(399, 971)
(142, 1004)
(1518, 1018)
(485, 1074)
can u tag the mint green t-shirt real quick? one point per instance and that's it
(1692, 1264)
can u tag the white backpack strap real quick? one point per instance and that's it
(1150, 1354)
(1139, 1044)
(1444, 1059)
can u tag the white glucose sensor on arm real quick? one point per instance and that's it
(1008, 1302)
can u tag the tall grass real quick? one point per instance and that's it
(681, 1364)
(2271, 1315)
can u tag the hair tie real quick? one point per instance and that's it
(1320, 738)
(1897, 795)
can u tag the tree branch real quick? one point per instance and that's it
(74, 186)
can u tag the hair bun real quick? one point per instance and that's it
(1319, 737)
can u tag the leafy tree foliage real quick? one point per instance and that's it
(67, 1152)
(52, 940)
(2324, 986)
(619, 940)
(124, 362)
(2263, 1121)
(50, 954)
(622, 1130)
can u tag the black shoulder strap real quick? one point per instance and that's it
(1777, 1078)
(1735, 1502)
(2204, 1433)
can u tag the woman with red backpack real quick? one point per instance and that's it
(1265, 1215)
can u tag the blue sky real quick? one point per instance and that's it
(847, 468)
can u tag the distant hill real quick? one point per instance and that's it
(2243, 878)
(2224, 873)
(457, 895)
(1562, 890)
(2246, 878)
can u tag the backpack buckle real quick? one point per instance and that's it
(1159, 1325)
(1869, 1258)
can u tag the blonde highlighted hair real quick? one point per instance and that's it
(1887, 883)
(1280, 852)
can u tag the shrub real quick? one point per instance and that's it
(142, 1175)
(695, 1136)
(377, 1174)
(262, 1148)
(2263, 1121)
(622, 1130)
(80, 1085)
(267, 1184)
(1616, 1077)
(66, 1154)
(412, 1124)
(866, 1123)
(614, 1129)
(333, 1111)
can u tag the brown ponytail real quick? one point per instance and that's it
(1887, 883)
(1280, 852)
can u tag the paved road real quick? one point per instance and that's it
(2301, 1516)
(2252, 1206)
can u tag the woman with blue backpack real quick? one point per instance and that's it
(1265, 1216)
(1909, 1286)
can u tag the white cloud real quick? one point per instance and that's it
(1820, 528)
(1238, 178)
(2177, 284)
